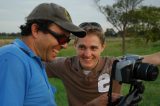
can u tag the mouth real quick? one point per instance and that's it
(87, 60)
(54, 53)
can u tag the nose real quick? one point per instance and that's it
(87, 53)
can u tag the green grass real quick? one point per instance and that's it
(61, 96)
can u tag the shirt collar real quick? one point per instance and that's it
(24, 47)
(27, 50)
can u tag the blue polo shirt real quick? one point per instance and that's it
(23, 80)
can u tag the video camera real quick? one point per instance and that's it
(131, 70)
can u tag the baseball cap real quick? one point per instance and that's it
(58, 14)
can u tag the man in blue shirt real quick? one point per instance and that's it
(23, 80)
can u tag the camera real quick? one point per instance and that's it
(130, 68)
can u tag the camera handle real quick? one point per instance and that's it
(111, 83)
(134, 95)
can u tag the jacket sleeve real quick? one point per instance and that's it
(56, 67)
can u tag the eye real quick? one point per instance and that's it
(94, 48)
(82, 47)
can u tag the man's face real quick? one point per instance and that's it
(47, 45)
(89, 50)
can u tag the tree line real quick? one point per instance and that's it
(9, 35)
(132, 19)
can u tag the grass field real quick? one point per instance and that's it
(151, 95)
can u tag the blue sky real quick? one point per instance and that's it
(13, 12)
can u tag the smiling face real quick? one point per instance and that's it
(47, 46)
(89, 50)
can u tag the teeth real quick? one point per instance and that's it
(88, 59)
(56, 51)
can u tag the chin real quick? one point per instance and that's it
(87, 67)
(50, 60)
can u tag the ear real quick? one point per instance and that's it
(34, 30)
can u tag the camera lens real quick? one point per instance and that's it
(145, 71)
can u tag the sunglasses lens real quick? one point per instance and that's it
(95, 24)
(83, 24)
(90, 25)
(63, 40)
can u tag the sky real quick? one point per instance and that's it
(13, 12)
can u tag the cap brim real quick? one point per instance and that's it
(75, 30)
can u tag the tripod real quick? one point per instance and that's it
(132, 98)
(134, 95)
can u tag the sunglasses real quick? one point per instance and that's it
(62, 39)
(92, 25)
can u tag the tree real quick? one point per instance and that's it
(110, 32)
(146, 23)
(118, 16)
